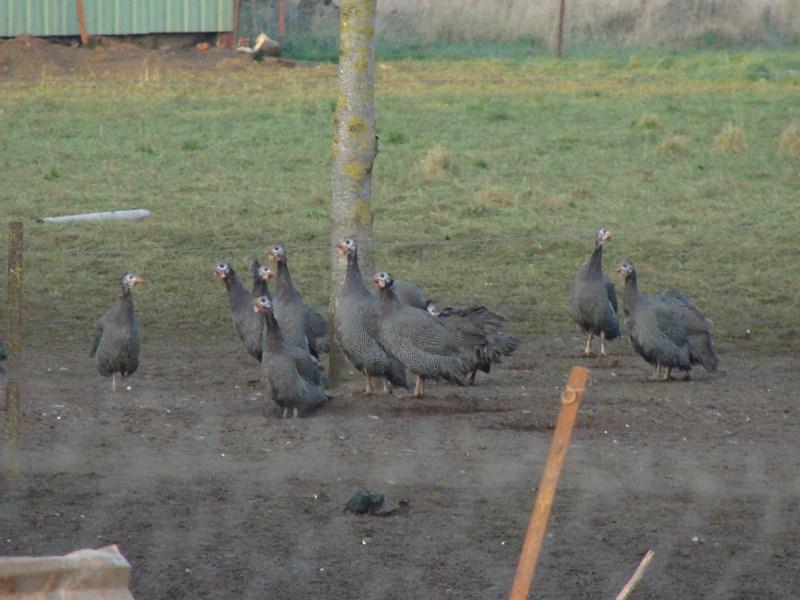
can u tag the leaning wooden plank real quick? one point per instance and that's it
(135, 213)
(81, 575)
(637, 575)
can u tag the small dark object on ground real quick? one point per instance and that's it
(363, 502)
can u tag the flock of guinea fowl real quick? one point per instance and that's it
(393, 328)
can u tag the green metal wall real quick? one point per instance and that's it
(114, 17)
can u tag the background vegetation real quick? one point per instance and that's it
(491, 179)
(433, 28)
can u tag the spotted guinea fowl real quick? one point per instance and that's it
(409, 293)
(246, 324)
(357, 326)
(698, 329)
(593, 301)
(418, 340)
(117, 337)
(479, 329)
(656, 330)
(291, 372)
(298, 321)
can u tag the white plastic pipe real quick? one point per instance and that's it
(136, 214)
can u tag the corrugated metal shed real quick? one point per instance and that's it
(115, 17)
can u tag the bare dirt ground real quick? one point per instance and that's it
(27, 58)
(210, 495)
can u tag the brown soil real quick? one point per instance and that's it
(27, 58)
(210, 495)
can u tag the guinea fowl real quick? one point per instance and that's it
(116, 341)
(357, 326)
(292, 373)
(301, 324)
(593, 301)
(698, 329)
(410, 294)
(417, 339)
(260, 286)
(246, 324)
(479, 329)
(656, 330)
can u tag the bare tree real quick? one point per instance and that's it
(354, 149)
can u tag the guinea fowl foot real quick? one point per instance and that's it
(419, 388)
(369, 389)
(587, 351)
(656, 373)
(603, 344)
(115, 381)
(387, 389)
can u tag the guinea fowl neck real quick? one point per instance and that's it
(352, 278)
(284, 288)
(389, 300)
(631, 293)
(274, 336)
(596, 260)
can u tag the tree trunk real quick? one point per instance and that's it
(354, 150)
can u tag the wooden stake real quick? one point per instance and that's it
(281, 20)
(637, 575)
(529, 556)
(13, 345)
(237, 11)
(560, 31)
(82, 22)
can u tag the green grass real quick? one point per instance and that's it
(540, 154)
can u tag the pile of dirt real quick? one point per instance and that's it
(30, 58)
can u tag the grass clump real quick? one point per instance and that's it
(790, 141)
(674, 145)
(648, 122)
(495, 196)
(435, 163)
(730, 140)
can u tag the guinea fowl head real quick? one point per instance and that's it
(382, 280)
(277, 253)
(346, 247)
(603, 235)
(129, 280)
(626, 269)
(222, 270)
(431, 308)
(265, 273)
(262, 304)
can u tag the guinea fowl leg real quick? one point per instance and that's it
(369, 389)
(295, 412)
(656, 372)
(472, 376)
(387, 389)
(668, 376)
(419, 389)
(588, 350)
(115, 377)
(602, 343)
(285, 413)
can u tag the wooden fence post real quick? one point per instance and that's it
(13, 345)
(529, 556)
(560, 31)
(281, 20)
(82, 22)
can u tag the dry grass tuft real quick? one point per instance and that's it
(435, 163)
(730, 140)
(790, 140)
(674, 145)
(648, 122)
(495, 195)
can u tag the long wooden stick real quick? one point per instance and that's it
(14, 345)
(82, 22)
(281, 20)
(529, 556)
(637, 575)
(560, 30)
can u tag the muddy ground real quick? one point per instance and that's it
(210, 495)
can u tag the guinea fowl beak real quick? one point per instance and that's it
(342, 248)
(137, 280)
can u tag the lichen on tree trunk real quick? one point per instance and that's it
(354, 150)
